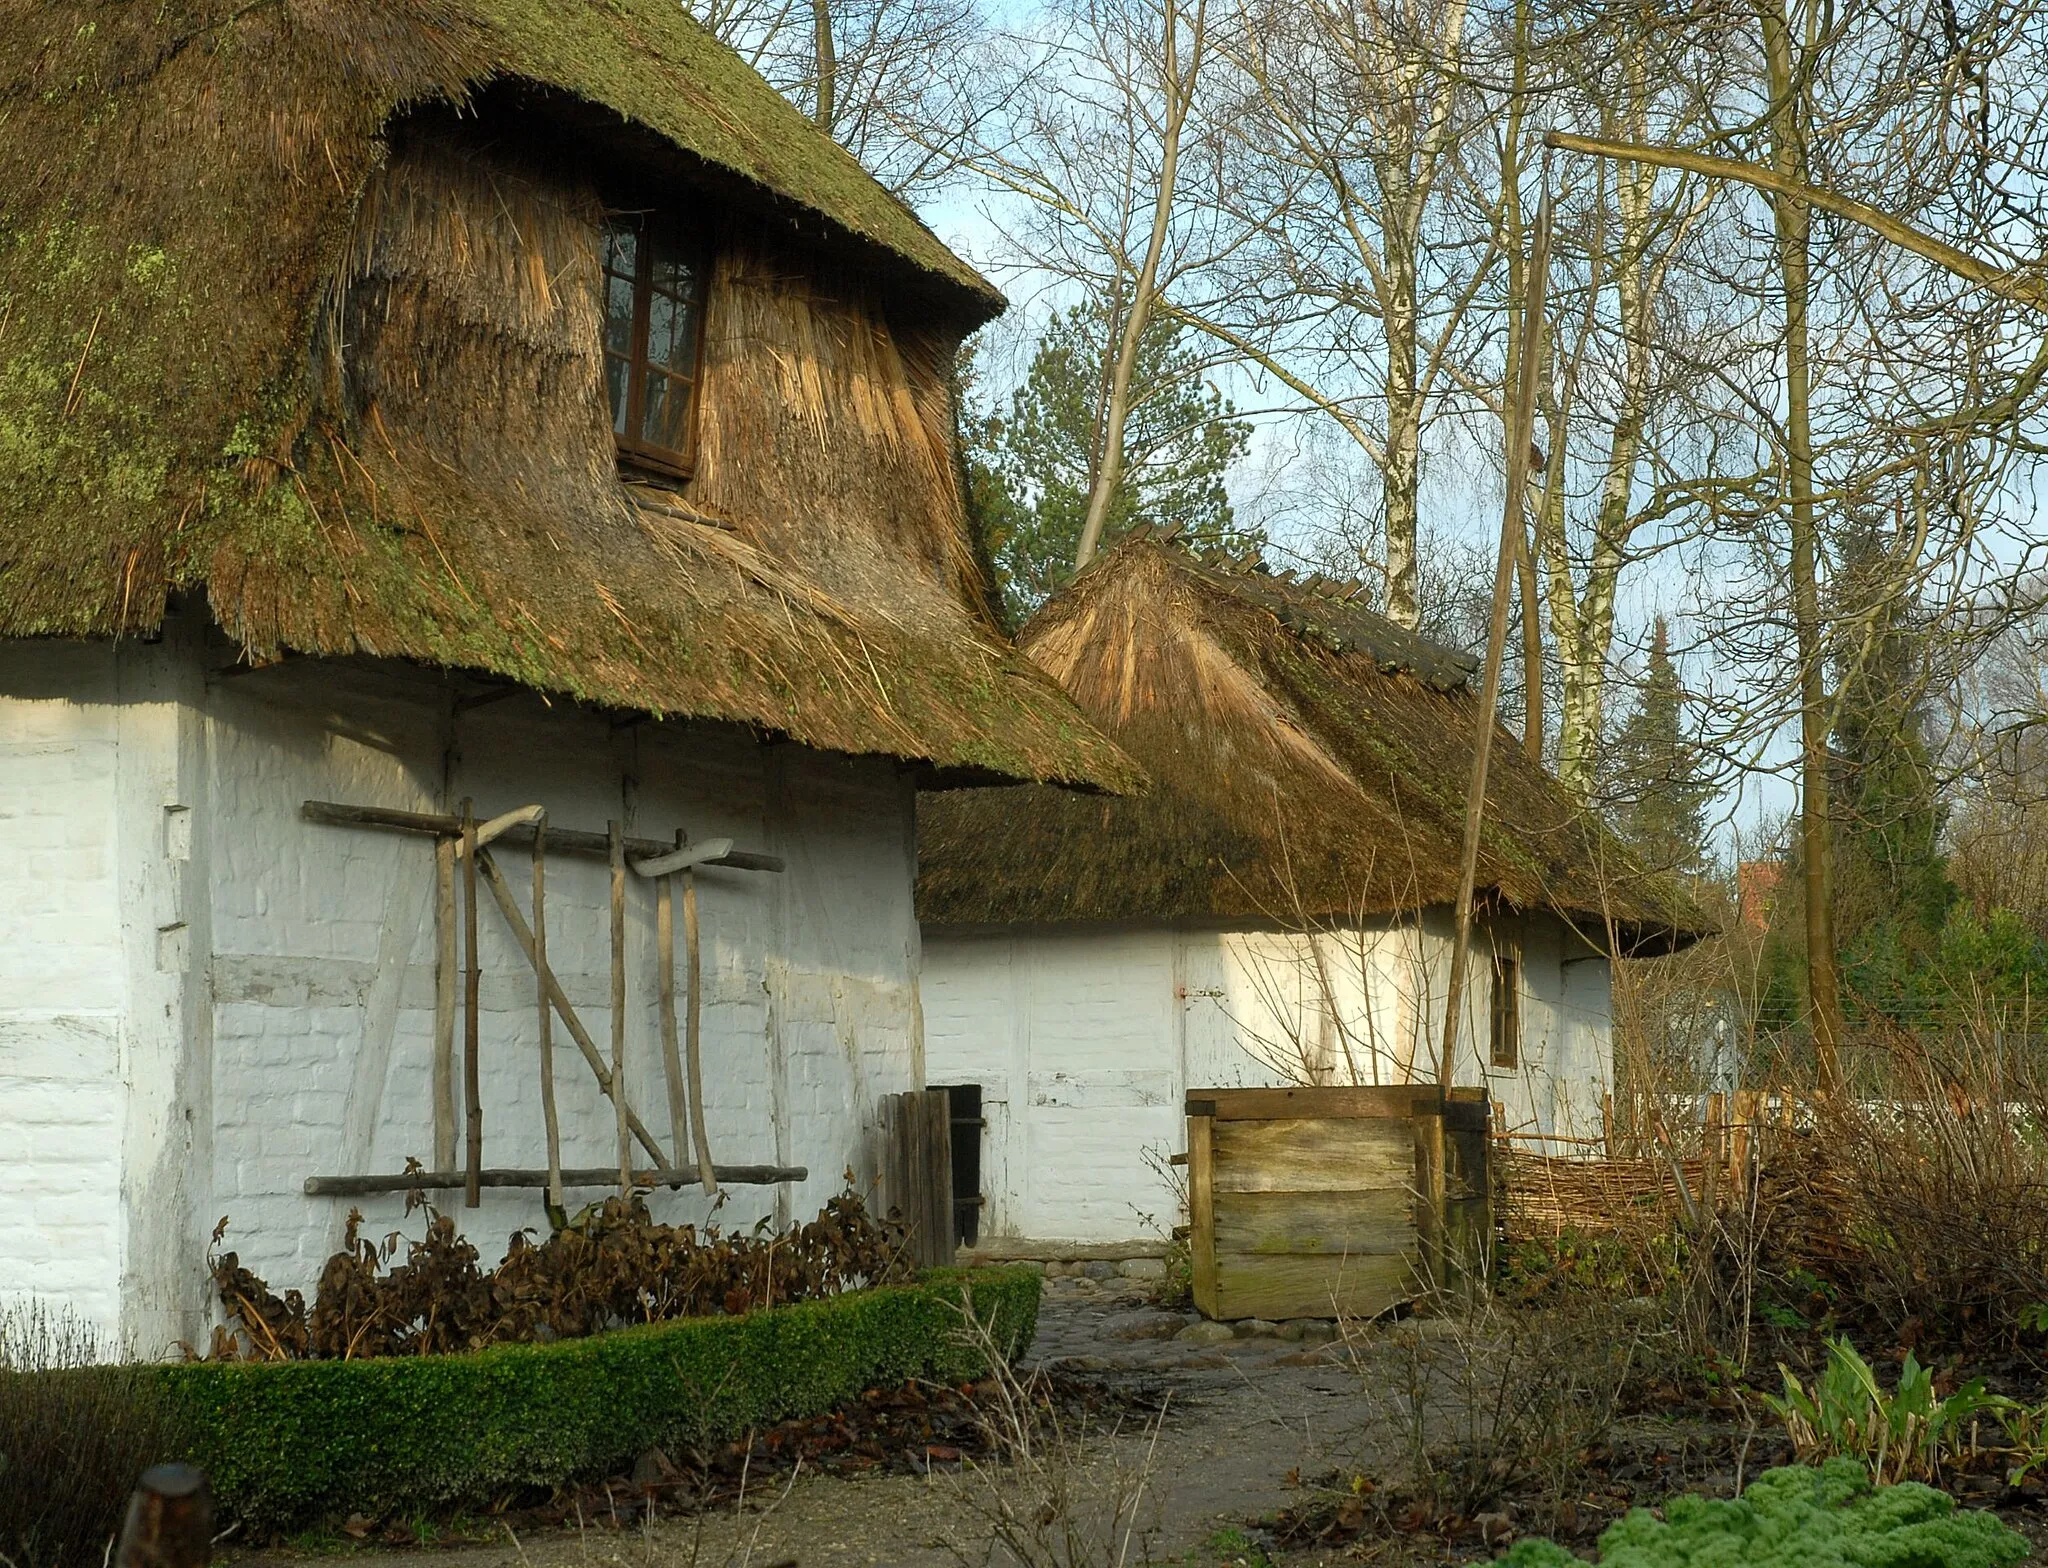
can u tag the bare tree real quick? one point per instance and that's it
(1348, 125)
(901, 84)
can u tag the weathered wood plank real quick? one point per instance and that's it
(566, 841)
(1312, 1155)
(1311, 1287)
(937, 1137)
(574, 1176)
(1396, 1100)
(1202, 1212)
(1270, 1224)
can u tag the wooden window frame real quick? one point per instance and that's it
(1504, 1013)
(655, 231)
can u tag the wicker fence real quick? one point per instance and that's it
(1697, 1152)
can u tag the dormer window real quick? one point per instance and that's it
(653, 329)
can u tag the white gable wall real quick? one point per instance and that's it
(1086, 1039)
(210, 999)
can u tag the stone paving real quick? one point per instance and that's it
(1101, 1320)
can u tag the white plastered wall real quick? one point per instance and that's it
(210, 999)
(1085, 1041)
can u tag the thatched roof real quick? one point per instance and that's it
(238, 357)
(1309, 759)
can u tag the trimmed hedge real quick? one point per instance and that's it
(287, 1443)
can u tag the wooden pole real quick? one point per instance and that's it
(694, 1031)
(494, 879)
(472, 985)
(372, 1185)
(169, 1522)
(556, 1212)
(563, 841)
(1512, 527)
(445, 966)
(1711, 1153)
(671, 1050)
(618, 857)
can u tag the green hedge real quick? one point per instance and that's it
(290, 1443)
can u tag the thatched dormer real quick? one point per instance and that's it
(305, 312)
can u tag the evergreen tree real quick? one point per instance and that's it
(1030, 471)
(1892, 889)
(1657, 775)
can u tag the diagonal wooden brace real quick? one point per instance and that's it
(496, 881)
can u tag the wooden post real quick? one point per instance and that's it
(445, 966)
(472, 985)
(169, 1522)
(618, 854)
(671, 1051)
(1740, 1137)
(936, 1134)
(1711, 1152)
(495, 880)
(557, 1210)
(693, 1031)
(1429, 1196)
(1202, 1211)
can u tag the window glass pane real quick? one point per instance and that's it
(673, 342)
(662, 416)
(621, 249)
(675, 270)
(618, 314)
(662, 314)
(616, 372)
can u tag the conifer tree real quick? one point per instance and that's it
(1031, 469)
(1892, 889)
(1658, 778)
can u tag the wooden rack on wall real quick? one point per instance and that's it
(462, 857)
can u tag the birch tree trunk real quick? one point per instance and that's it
(1178, 90)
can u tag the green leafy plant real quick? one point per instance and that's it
(2026, 1431)
(1831, 1517)
(1905, 1434)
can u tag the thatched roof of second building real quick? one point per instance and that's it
(1310, 762)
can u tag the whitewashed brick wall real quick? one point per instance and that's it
(62, 986)
(1086, 1040)
(205, 999)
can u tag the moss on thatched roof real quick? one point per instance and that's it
(219, 374)
(1309, 763)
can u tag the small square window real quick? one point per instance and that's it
(1506, 1020)
(653, 333)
